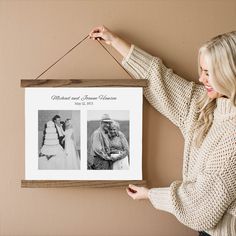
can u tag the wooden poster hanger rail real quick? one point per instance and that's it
(82, 83)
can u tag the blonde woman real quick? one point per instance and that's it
(206, 115)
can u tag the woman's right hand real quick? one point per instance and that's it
(102, 33)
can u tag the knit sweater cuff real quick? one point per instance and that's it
(137, 62)
(161, 199)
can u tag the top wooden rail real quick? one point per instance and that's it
(84, 83)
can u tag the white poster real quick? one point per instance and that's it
(83, 133)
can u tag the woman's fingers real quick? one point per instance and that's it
(102, 33)
(133, 187)
(132, 195)
(137, 192)
(132, 191)
(95, 30)
(96, 35)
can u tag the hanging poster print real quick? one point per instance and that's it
(90, 133)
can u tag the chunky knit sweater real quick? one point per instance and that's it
(205, 199)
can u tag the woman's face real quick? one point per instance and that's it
(68, 123)
(113, 130)
(204, 78)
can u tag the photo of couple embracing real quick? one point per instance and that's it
(108, 148)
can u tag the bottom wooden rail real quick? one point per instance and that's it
(80, 183)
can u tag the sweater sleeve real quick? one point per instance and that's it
(200, 204)
(167, 92)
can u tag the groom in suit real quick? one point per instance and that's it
(59, 128)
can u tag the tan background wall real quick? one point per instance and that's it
(35, 33)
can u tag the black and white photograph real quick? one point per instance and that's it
(59, 140)
(108, 140)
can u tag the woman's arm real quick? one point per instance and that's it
(198, 204)
(167, 92)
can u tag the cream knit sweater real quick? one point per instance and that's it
(205, 199)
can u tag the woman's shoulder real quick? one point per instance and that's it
(121, 134)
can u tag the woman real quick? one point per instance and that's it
(72, 160)
(206, 115)
(119, 147)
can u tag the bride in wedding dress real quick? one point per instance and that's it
(119, 147)
(72, 158)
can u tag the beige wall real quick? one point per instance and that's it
(35, 33)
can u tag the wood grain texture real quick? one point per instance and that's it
(85, 83)
(78, 183)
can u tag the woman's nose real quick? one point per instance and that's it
(202, 78)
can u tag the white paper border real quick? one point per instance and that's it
(40, 99)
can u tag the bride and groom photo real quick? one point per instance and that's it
(108, 147)
(59, 149)
(107, 140)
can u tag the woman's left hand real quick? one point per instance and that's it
(137, 193)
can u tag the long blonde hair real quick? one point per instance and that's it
(220, 56)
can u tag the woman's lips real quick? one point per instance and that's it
(209, 89)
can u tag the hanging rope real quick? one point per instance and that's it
(115, 59)
(73, 49)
